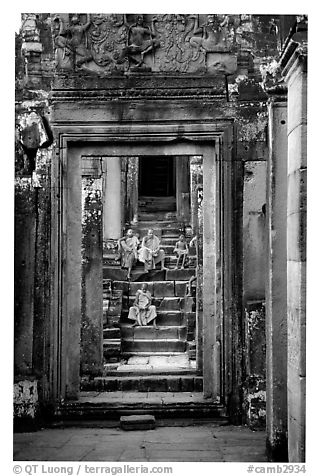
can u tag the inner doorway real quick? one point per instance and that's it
(169, 289)
(157, 185)
(157, 176)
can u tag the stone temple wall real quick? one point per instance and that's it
(227, 61)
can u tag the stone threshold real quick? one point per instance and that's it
(111, 405)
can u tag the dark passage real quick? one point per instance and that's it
(156, 177)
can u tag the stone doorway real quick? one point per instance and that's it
(211, 335)
(169, 347)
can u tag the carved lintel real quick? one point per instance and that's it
(108, 44)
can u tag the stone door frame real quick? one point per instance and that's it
(214, 142)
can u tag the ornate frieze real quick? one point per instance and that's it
(169, 43)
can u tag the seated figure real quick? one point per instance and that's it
(150, 253)
(128, 245)
(142, 312)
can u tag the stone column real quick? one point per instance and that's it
(25, 236)
(183, 188)
(132, 190)
(91, 356)
(196, 187)
(112, 198)
(276, 283)
(294, 63)
(210, 363)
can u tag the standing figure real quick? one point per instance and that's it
(181, 250)
(142, 312)
(128, 245)
(78, 40)
(150, 253)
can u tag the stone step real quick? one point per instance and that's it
(111, 349)
(115, 273)
(162, 303)
(165, 365)
(177, 288)
(93, 406)
(138, 274)
(164, 318)
(145, 383)
(111, 333)
(168, 240)
(129, 346)
(153, 333)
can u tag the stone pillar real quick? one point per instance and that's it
(294, 63)
(132, 190)
(112, 198)
(210, 363)
(196, 180)
(196, 187)
(25, 236)
(276, 283)
(91, 356)
(183, 189)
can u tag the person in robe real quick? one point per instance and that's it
(142, 312)
(150, 253)
(127, 246)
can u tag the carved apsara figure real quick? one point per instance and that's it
(77, 42)
(211, 34)
(63, 54)
(140, 41)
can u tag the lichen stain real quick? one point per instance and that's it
(25, 394)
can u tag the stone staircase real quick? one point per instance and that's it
(150, 359)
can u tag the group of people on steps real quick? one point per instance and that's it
(143, 311)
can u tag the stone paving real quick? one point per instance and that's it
(198, 443)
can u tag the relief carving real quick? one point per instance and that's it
(213, 35)
(162, 43)
(141, 39)
(176, 53)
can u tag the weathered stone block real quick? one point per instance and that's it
(173, 384)
(127, 331)
(296, 286)
(148, 332)
(297, 148)
(221, 62)
(170, 318)
(121, 286)
(128, 384)
(134, 287)
(137, 422)
(145, 345)
(182, 333)
(297, 101)
(297, 191)
(111, 333)
(179, 274)
(164, 288)
(188, 304)
(187, 384)
(198, 384)
(296, 237)
(180, 288)
(26, 399)
(170, 304)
